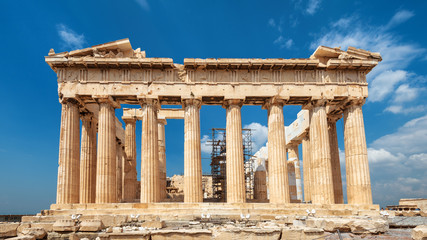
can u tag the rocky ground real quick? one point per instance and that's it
(283, 227)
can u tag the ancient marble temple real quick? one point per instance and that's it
(97, 156)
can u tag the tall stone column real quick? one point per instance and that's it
(335, 161)
(277, 168)
(88, 160)
(292, 181)
(260, 184)
(69, 149)
(293, 156)
(236, 192)
(106, 190)
(149, 152)
(323, 191)
(193, 191)
(119, 171)
(356, 157)
(306, 154)
(162, 157)
(130, 173)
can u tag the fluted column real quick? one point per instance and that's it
(88, 160)
(193, 191)
(293, 156)
(277, 168)
(69, 149)
(356, 157)
(130, 173)
(292, 181)
(106, 190)
(162, 157)
(323, 191)
(149, 152)
(335, 161)
(306, 154)
(234, 154)
(119, 171)
(260, 184)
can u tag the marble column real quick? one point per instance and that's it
(306, 154)
(236, 192)
(293, 156)
(323, 190)
(88, 160)
(292, 181)
(130, 173)
(193, 189)
(162, 157)
(149, 152)
(69, 150)
(277, 168)
(260, 184)
(119, 171)
(356, 157)
(335, 161)
(106, 190)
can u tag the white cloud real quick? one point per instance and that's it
(259, 135)
(205, 145)
(385, 83)
(144, 4)
(397, 54)
(284, 43)
(382, 156)
(400, 109)
(411, 138)
(271, 22)
(312, 6)
(70, 38)
(400, 17)
(405, 93)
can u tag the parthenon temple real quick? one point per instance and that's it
(97, 156)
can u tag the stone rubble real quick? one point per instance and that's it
(281, 227)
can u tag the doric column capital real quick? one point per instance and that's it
(86, 116)
(192, 101)
(231, 102)
(74, 100)
(161, 121)
(274, 101)
(129, 119)
(153, 101)
(316, 103)
(333, 118)
(356, 101)
(106, 99)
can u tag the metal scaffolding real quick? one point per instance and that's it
(218, 163)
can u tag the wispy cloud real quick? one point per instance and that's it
(400, 17)
(397, 54)
(280, 41)
(284, 43)
(396, 156)
(143, 4)
(312, 6)
(70, 39)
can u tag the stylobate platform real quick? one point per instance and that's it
(174, 211)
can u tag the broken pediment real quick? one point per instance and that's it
(116, 49)
(325, 53)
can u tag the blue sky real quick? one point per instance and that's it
(395, 113)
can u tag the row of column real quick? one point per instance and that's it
(322, 173)
(322, 178)
(95, 170)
